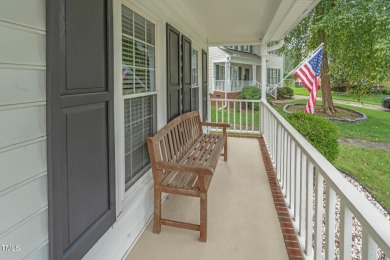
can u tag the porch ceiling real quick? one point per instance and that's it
(244, 21)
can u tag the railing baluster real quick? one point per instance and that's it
(330, 222)
(216, 112)
(292, 175)
(297, 186)
(345, 231)
(279, 154)
(287, 174)
(253, 116)
(234, 115)
(222, 110)
(246, 116)
(240, 114)
(318, 214)
(228, 110)
(307, 195)
(283, 159)
(302, 209)
(369, 248)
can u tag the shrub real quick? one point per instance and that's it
(385, 91)
(285, 92)
(251, 93)
(290, 92)
(321, 133)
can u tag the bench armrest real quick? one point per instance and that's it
(200, 170)
(214, 124)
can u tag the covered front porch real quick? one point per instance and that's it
(242, 219)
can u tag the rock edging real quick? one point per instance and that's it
(362, 117)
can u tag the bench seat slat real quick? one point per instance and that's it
(205, 152)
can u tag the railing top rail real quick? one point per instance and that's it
(235, 100)
(370, 218)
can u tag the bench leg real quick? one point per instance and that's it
(203, 217)
(157, 211)
(225, 151)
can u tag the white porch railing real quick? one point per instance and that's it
(311, 186)
(237, 85)
(234, 85)
(272, 90)
(242, 115)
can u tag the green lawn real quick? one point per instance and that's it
(370, 166)
(251, 116)
(376, 128)
(369, 99)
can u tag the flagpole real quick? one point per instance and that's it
(308, 57)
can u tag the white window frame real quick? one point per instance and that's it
(123, 197)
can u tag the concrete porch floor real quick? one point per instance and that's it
(242, 220)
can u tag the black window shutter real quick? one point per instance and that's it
(186, 77)
(80, 123)
(217, 72)
(204, 84)
(173, 73)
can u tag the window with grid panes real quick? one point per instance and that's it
(194, 81)
(273, 76)
(138, 73)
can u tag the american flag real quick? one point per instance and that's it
(125, 70)
(308, 73)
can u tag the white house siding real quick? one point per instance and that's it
(23, 165)
(215, 54)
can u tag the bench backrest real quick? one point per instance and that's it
(171, 142)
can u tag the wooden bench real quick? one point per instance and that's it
(183, 161)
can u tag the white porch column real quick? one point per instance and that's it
(263, 70)
(254, 72)
(228, 86)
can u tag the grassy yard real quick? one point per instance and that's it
(255, 117)
(370, 166)
(369, 99)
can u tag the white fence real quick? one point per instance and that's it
(242, 115)
(312, 186)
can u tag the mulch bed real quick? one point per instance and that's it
(340, 114)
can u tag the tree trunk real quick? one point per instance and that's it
(327, 100)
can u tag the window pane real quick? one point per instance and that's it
(194, 68)
(140, 81)
(127, 21)
(151, 82)
(127, 51)
(139, 124)
(139, 27)
(149, 32)
(140, 54)
(150, 57)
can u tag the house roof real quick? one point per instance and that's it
(240, 54)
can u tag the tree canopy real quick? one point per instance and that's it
(356, 36)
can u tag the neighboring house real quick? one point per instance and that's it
(233, 67)
(82, 84)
